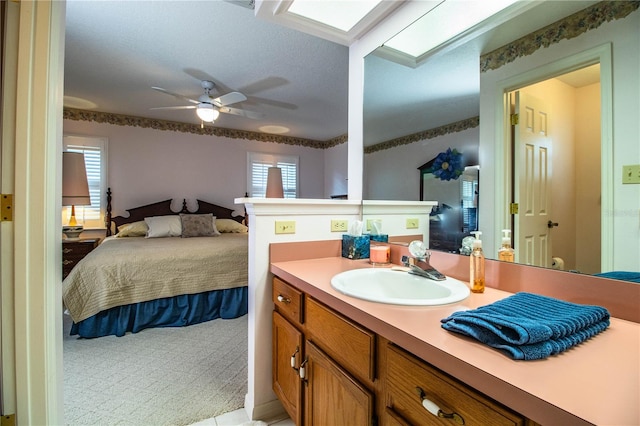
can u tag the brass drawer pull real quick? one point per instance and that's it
(67, 250)
(283, 299)
(67, 262)
(433, 408)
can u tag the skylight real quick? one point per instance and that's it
(340, 14)
(437, 27)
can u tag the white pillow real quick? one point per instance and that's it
(163, 226)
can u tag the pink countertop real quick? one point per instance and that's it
(596, 382)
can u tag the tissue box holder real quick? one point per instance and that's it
(381, 238)
(355, 247)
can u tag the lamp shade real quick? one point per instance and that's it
(274, 183)
(75, 188)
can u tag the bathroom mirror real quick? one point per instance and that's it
(394, 111)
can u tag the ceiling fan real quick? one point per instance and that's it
(209, 108)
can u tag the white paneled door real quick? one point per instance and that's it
(533, 143)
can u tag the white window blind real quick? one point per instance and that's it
(257, 170)
(94, 150)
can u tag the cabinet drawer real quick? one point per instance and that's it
(351, 345)
(410, 379)
(287, 300)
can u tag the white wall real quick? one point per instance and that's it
(588, 167)
(147, 165)
(335, 170)
(393, 174)
(625, 38)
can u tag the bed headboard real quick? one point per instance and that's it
(163, 208)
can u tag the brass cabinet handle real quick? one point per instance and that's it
(67, 250)
(67, 262)
(433, 408)
(283, 299)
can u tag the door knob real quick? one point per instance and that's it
(552, 224)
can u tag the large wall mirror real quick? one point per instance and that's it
(415, 108)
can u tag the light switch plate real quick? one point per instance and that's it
(285, 226)
(413, 223)
(631, 174)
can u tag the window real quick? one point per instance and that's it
(257, 166)
(95, 159)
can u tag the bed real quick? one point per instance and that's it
(154, 273)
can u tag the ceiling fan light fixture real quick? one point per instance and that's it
(206, 112)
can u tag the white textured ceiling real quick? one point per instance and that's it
(116, 50)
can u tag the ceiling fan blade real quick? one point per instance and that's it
(242, 112)
(228, 99)
(177, 107)
(272, 102)
(176, 95)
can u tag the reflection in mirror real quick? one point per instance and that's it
(456, 214)
(412, 114)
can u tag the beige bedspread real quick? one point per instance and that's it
(121, 271)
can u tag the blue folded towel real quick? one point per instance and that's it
(529, 326)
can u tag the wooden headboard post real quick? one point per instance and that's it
(107, 218)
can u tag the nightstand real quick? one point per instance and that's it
(74, 250)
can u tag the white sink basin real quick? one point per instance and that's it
(398, 288)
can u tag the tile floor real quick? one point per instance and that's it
(240, 418)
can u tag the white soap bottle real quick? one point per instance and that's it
(476, 265)
(506, 253)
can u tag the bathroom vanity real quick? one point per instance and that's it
(362, 361)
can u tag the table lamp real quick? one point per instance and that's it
(75, 189)
(274, 183)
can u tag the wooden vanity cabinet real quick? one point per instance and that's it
(351, 376)
(315, 368)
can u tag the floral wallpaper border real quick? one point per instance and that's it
(564, 29)
(152, 123)
(458, 126)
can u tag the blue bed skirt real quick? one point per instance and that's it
(176, 311)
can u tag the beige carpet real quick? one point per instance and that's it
(162, 376)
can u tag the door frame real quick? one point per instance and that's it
(503, 182)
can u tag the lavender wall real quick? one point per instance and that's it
(393, 174)
(147, 165)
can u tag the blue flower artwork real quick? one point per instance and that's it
(448, 165)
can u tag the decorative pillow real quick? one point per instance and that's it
(230, 225)
(163, 226)
(198, 225)
(134, 229)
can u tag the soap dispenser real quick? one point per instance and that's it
(506, 252)
(476, 265)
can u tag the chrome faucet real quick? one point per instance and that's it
(420, 253)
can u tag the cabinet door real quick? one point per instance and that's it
(332, 396)
(287, 350)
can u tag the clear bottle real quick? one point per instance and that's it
(506, 253)
(476, 265)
